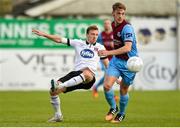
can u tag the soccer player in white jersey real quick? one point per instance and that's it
(86, 61)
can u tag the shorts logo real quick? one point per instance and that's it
(87, 53)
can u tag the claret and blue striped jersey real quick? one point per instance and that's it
(106, 39)
(124, 33)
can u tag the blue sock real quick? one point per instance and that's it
(100, 82)
(123, 103)
(109, 95)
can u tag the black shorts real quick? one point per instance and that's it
(79, 86)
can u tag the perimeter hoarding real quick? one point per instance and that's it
(28, 69)
(157, 46)
(28, 62)
(18, 33)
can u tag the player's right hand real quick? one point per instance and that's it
(38, 32)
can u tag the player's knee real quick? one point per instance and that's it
(124, 90)
(88, 75)
(107, 87)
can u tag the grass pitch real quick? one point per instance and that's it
(80, 109)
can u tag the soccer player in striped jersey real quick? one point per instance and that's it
(124, 47)
(86, 60)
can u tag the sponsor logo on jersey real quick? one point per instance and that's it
(119, 34)
(87, 53)
(116, 41)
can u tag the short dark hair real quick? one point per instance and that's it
(118, 5)
(92, 27)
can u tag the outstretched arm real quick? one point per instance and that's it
(126, 48)
(54, 38)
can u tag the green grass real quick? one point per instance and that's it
(80, 109)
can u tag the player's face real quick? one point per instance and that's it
(92, 36)
(119, 15)
(107, 25)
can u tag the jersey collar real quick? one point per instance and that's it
(89, 43)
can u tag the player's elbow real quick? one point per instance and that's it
(57, 40)
(127, 49)
(128, 46)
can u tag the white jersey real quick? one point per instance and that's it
(86, 54)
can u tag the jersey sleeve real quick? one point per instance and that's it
(128, 33)
(74, 42)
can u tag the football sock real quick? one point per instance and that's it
(55, 101)
(109, 95)
(73, 81)
(100, 82)
(123, 103)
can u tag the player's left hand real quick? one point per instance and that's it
(103, 53)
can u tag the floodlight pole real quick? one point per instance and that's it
(178, 44)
